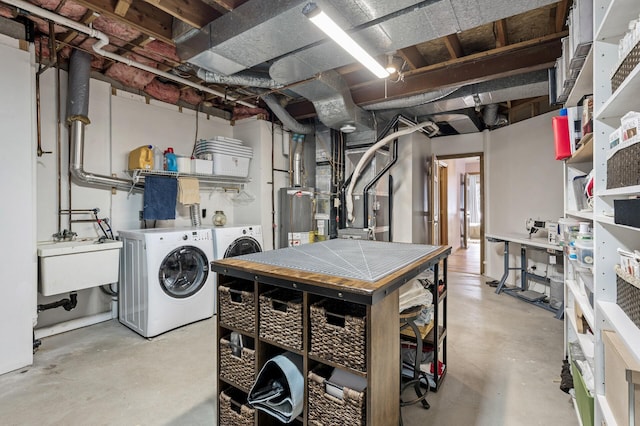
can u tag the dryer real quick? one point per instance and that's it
(165, 279)
(231, 241)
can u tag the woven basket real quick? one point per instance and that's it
(281, 317)
(623, 167)
(628, 295)
(625, 68)
(338, 333)
(240, 370)
(237, 306)
(233, 413)
(325, 409)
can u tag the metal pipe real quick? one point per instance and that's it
(376, 178)
(297, 162)
(283, 115)
(238, 80)
(103, 40)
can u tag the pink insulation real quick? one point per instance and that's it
(159, 51)
(7, 12)
(141, 59)
(119, 33)
(43, 26)
(64, 52)
(190, 96)
(241, 112)
(163, 92)
(69, 9)
(129, 76)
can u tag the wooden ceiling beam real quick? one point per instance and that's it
(452, 43)
(141, 16)
(502, 38)
(195, 13)
(412, 56)
(561, 14)
(122, 7)
(67, 37)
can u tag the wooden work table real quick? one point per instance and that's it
(366, 273)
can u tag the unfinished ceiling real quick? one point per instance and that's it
(465, 64)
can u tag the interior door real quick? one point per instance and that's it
(435, 202)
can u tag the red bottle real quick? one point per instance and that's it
(561, 137)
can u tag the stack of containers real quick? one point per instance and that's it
(229, 156)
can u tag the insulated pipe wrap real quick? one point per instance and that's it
(79, 71)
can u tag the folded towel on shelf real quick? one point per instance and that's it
(279, 387)
(160, 194)
(188, 190)
(414, 294)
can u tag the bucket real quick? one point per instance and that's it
(141, 158)
(556, 291)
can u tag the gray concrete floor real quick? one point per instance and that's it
(504, 364)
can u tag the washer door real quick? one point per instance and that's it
(243, 245)
(183, 272)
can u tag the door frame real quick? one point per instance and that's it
(482, 201)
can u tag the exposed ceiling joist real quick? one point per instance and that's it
(413, 57)
(561, 14)
(501, 33)
(195, 13)
(122, 7)
(452, 42)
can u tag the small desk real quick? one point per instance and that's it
(535, 243)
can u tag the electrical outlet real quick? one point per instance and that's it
(140, 215)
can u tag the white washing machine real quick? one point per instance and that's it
(165, 278)
(231, 241)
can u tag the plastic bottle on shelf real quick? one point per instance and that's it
(141, 158)
(158, 158)
(171, 160)
(561, 137)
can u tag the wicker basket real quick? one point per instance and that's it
(325, 409)
(338, 333)
(281, 317)
(625, 68)
(628, 295)
(234, 413)
(237, 306)
(241, 369)
(623, 167)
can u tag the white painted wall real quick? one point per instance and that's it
(19, 259)
(458, 144)
(522, 180)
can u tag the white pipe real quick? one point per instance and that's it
(365, 159)
(103, 40)
(72, 324)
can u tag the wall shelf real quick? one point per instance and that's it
(584, 154)
(206, 180)
(582, 214)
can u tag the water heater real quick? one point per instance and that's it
(296, 216)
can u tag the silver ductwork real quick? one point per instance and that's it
(297, 164)
(283, 115)
(77, 118)
(490, 114)
(238, 80)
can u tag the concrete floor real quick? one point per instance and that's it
(504, 364)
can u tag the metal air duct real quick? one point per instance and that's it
(283, 115)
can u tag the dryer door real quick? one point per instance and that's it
(243, 245)
(183, 272)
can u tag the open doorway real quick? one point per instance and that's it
(463, 209)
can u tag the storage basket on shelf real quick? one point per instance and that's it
(238, 368)
(237, 306)
(338, 333)
(281, 317)
(326, 409)
(625, 68)
(233, 412)
(628, 297)
(623, 166)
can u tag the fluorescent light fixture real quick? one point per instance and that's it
(330, 28)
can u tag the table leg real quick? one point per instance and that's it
(506, 268)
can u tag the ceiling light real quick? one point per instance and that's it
(330, 28)
(391, 66)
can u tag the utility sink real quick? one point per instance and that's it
(75, 265)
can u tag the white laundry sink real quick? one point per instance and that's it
(75, 265)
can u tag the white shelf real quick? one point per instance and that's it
(622, 325)
(616, 19)
(608, 220)
(607, 414)
(584, 340)
(625, 190)
(583, 214)
(623, 100)
(207, 179)
(584, 83)
(582, 301)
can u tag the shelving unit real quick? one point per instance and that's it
(206, 180)
(379, 299)
(611, 18)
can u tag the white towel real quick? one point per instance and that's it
(188, 190)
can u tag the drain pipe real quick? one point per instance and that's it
(77, 118)
(103, 40)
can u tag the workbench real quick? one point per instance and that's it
(365, 273)
(526, 242)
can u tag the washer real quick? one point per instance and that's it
(230, 241)
(165, 278)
